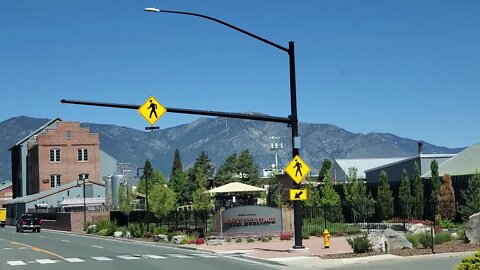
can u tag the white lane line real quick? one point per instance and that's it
(205, 255)
(45, 261)
(7, 248)
(179, 256)
(66, 241)
(127, 257)
(22, 248)
(42, 237)
(97, 246)
(74, 260)
(102, 259)
(15, 263)
(154, 257)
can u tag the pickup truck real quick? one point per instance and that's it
(3, 216)
(29, 222)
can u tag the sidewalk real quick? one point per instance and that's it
(281, 248)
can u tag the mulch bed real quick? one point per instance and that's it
(451, 246)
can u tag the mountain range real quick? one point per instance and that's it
(221, 137)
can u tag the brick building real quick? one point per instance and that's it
(5, 191)
(55, 154)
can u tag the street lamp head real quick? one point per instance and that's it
(151, 9)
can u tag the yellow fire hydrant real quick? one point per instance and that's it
(326, 238)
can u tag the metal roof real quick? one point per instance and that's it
(464, 163)
(4, 185)
(364, 164)
(43, 194)
(422, 156)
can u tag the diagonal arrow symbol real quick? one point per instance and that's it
(298, 194)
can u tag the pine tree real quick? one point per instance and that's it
(227, 171)
(326, 165)
(150, 177)
(435, 183)
(405, 196)
(313, 194)
(177, 163)
(384, 197)
(418, 190)
(202, 164)
(471, 196)
(247, 169)
(446, 199)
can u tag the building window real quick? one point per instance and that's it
(83, 154)
(68, 134)
(54, 180)
(83, 176)
(54, 155)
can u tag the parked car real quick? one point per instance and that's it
(29, 222)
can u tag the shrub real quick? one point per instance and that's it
(250, 240)
(470, 263)
(106, 227)
(124, 230)
(200, 241)
(238, 240)
(442, 237)
(161, 230)
(360, 244)
(103, 232)
(413, 238)
(425, 239)
(136, 229)
(92, 229)
(264, 239)
(285, 236)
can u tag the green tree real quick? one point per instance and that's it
(418, 190)
(384, 197)
(247, 169)
(125, 200)
(201, 197)
(361, 204)
(276, 197)
(330, 201)
(162, 200)
(150, 177)
(313, 194)
(471, 196)
(405, 196)
(326, 165)
(179, 184)
(435, 182)
(203, 164)
(446, 199)
(177, 163)
(227, 171)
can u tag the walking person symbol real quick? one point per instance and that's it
(153, 108)
(298, 165)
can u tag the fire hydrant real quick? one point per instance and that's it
(326, 238)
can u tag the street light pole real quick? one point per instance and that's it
(293, 105)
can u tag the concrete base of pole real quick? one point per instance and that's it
(296, 249)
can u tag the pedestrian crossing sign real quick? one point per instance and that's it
(152, 110)
(297, 169)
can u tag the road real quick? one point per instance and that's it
(56, 250)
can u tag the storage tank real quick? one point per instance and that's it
(115, 185)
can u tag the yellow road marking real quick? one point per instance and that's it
(38, 249)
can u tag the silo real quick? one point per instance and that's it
(107, 180)
(115, 181)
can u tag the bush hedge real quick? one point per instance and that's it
(360, 244)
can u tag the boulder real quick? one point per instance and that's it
(472, 228)
(128, 235)
(177, 239)
(388, 240)
(92, 228)
(117, 234)
(216, 242)
(160, 238)
(419, 228)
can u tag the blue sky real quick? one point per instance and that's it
(407, 67)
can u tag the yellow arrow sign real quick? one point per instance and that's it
(297, 169)
(298, 194)
(152, 110)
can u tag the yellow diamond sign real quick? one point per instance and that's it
(152, 110)
(298, 194)
(297, 169)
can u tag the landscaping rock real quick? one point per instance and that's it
(92, 228)
(394, 240)
(216, 242)
(472, 229)
(419, 228)
(178, 239)
(117, 234)
(160, 237)
(128, 235)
